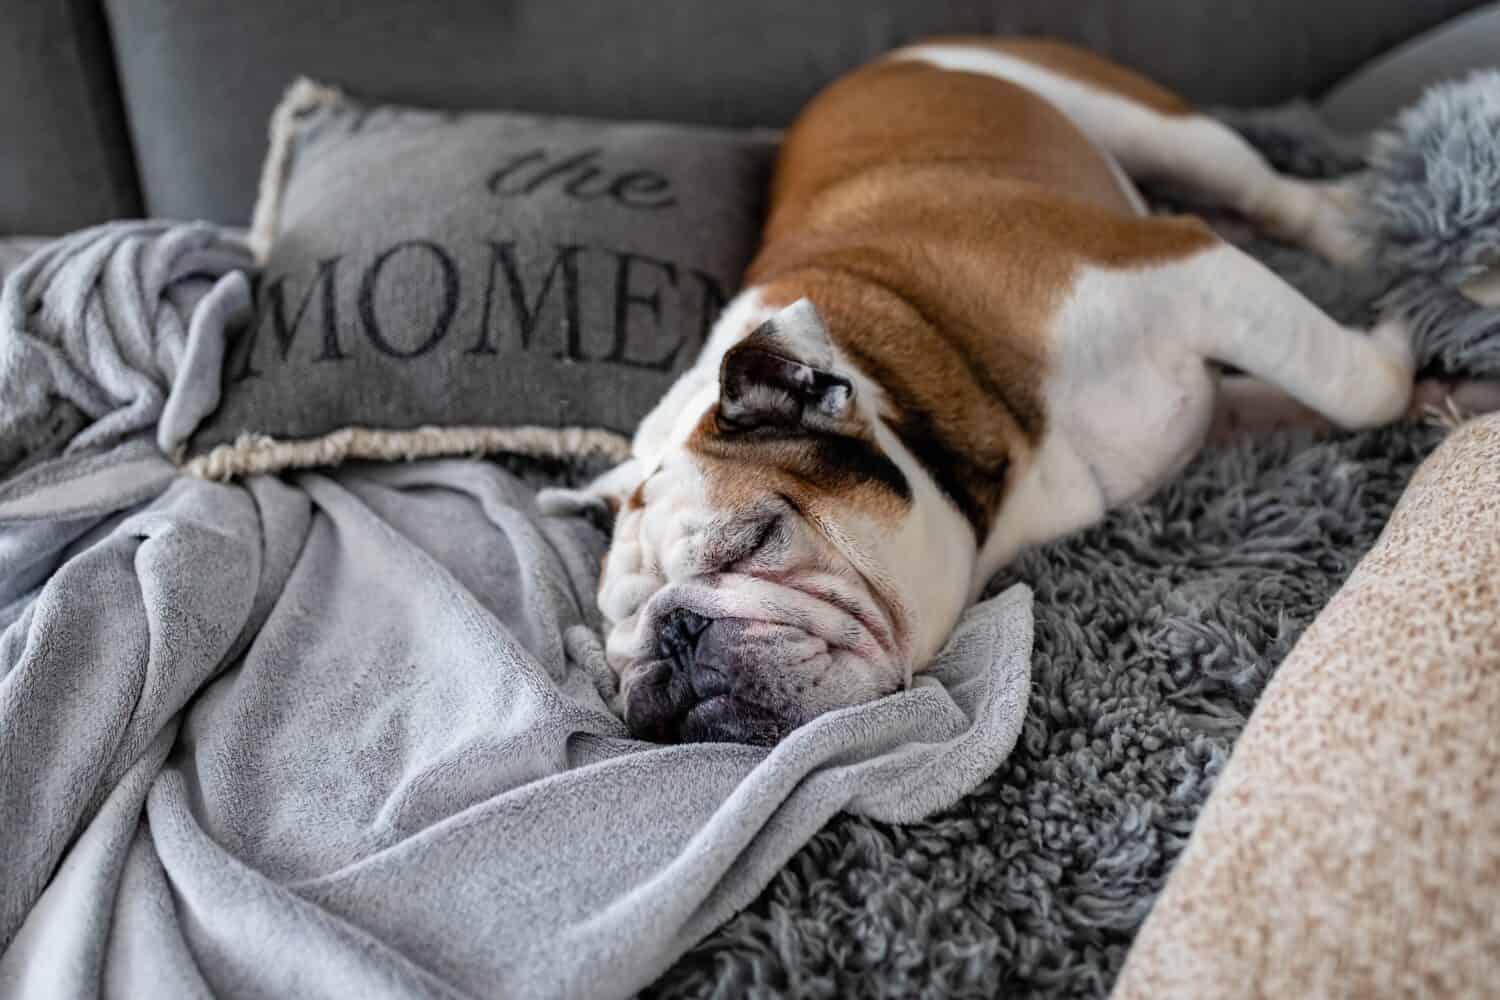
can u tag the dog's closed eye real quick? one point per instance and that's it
(744, 543)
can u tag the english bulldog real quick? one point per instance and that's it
(962, 335)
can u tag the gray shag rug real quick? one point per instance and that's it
(1155, 633)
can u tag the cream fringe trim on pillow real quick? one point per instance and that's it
(256, 453)
(302, 97)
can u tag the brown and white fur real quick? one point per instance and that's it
(961, 336)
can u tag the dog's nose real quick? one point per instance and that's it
(662, 698)
(678, 638)
(678, 642)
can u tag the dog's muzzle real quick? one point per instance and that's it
(693, 691)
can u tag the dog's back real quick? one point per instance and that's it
(879, 132)
(938, 219)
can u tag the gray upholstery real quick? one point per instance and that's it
(200, 76)
(65, 158)
(1376, 92)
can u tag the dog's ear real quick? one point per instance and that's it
(783, 375)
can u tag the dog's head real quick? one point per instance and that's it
(782, 556)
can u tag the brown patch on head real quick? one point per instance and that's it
(815, 471)
(787, 421)
(964, 402)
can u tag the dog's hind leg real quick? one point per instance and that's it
(1156, 136)
(1224, 305)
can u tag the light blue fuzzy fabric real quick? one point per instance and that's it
(1433, 197)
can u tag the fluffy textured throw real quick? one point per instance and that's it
(1155, 634)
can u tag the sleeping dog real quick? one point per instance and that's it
(962, 335)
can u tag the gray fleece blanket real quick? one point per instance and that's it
(342, 734)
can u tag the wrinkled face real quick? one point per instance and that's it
(781, 557)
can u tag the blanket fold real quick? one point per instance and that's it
(118, 324)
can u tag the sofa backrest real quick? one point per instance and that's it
(198, 78)
(65, 152)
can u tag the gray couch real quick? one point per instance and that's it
(117, 108)
(1036, 884)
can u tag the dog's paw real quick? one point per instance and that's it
(1329, 222)
(1375, 388)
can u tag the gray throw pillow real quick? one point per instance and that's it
(479, 270)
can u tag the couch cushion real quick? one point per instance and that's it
(200, 76)
(67, 161)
